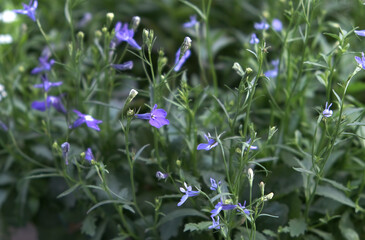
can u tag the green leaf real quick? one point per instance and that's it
(302, 170)
(139, 152)
(347, 228)
(336, 184)
(197, 226)
(297, 227)
(334, 194)
(181, 213)
(88, 225)
(68, 191)
(67, 12)
(109, 202)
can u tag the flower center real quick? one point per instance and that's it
(89, 118)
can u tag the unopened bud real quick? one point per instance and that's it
(132, 94)
(269, 196)
(272, 131)
(109, 18)
(262, 188)
(135, 22)
(186, 45)
(65, 149)
(104, 29)
(178, 163)
(250, 175)
(249, 70)
(237, 67)
(80, 35)
(130, 113)
(55, 145)
(98, 34)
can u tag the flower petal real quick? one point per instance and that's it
(182, 200)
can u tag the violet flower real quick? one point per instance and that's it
(89, 155)
(29, 9)
(124, 34)
(243, 208)
(180, 61)
(360, 33)
(254, 39)
(89, 120)
(44, 64)
(161, 175)
(157, 117)
(191, 23)
(123, 66)
(221, 206)
(214, 184)
(207, 146)
(188, 193)
(215, 223)
(273, 73)
(327, 112)
(251, 146)
(3, 126)
(361, 60)
(277, 25)
(46, 85)
(261, 26)
(54, 101)
(65, 149)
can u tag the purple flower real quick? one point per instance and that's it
(243, 208)
(157, 117)
(180, 61)
(221, 206)
(89, 120)
(54, 101)
(28, 9)
(360, 33)
(188, 193)
(65, 149)
(261, 26)
(3, 126)
(161, 175)
(214, 184)
(46, 85)
(191, 23)
(327, 112)
(124, 34)
(254, 39)
(124, 66)
(277, 25)
(44, 64)
(215, 223)
(251, 146)
(89, 155)
(273, 73)
(207, 146)
(361, 60)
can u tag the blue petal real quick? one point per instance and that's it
(182, 200)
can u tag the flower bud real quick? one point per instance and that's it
(98, 34)
(186, 45)
(250, 175)
(237, 67)
(268, 196)
(65, 149)
(109, 18)
(262, 188)
(104, 30)
(178, 163)
(132, 94)
(80, 35)
(130, 113)
(161, 175)
(135, 22)
(249, 70)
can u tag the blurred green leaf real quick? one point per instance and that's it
(334, 194)
(297, 227)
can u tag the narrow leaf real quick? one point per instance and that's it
(334, 194)
(68, 191)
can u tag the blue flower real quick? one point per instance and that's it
(261, 26)
(214, 184)
(124, 34)
(254, 39)
(124, 66)
(54, 101)
(188, 193)
(277, 25)
(251, 146)
(89, 155)
(46, 85)
(207, 146)
(44, 64)
(89, 120)
(157, 117)
(361, 60)
(215, 223)
(161, 175)
(3, 126)
(360, 33)
(191, 23)
(65, 149)
(29, 9)
(243, 208)
(273, 73)
(221, 206)
(180, 61)
(327, 112)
